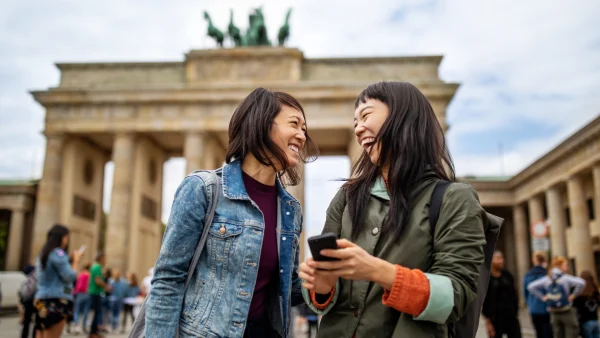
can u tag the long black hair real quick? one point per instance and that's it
(249, 132)
(54, 240)
(412, 144)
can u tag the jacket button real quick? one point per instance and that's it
(287, 213)
(283, 238)
(222, 231)
(375, 231)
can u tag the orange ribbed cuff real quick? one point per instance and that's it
(410, 291)
(321, 306)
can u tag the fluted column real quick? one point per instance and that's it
(15, 240)
(596, 178)
(119, 218)
(536, 213)
(580, 228)
(558, 222)
(47, 211)
(194, 151)
(522, 245)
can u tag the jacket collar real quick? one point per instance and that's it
(379, 189)
(234, 188)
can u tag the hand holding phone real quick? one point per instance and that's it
(321, 242)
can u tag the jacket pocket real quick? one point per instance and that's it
(222, 239)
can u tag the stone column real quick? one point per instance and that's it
(558, 222)
(596, 178)
(119, 218)
(580, 226)
(47, 211)
(193, 150)
(15, 240)
(536, 211)
(522, 245)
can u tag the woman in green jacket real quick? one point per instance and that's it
(394, 278)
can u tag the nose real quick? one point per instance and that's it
(359, 129)
(301, 136)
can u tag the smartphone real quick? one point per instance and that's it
(320, 242)
(82, 248)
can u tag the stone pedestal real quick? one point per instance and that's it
(47, 210)
(580, 228)
(558, 222)
(239, 65)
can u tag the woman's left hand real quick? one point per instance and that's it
(354, 262)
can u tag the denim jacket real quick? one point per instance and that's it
(56, 280)
(217, 301)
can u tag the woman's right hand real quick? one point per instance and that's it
(313, 280)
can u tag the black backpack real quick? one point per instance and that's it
(467, 326)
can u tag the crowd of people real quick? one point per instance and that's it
(560, 305)
(57, 296)
(392, 273)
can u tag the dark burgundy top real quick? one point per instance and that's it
(265, 196)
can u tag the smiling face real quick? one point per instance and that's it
(289, 134)
(368, 119)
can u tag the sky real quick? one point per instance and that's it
(529, 71)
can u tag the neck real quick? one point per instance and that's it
(496, 271)
(258, 171)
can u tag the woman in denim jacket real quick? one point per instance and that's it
(54, 297)
(246, 279)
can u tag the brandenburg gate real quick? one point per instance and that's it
(139, 115)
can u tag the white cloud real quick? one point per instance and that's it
(530, 51)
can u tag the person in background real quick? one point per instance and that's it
(119, 288)
(131, 299)
(82, 300)
(96, 290)
(26, 297)
(537, 308)
(558, 290)
(501, 306)
(587, 307)
(105, 320)
(54, 296)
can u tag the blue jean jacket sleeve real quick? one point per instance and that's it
(183, 231)
(60, 261)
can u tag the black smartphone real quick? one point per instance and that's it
(320, 242)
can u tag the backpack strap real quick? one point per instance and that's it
(208, 218)
(435, 206)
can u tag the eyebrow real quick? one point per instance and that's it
(363, 109)
(299, 119)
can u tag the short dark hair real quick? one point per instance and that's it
(250, 127)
